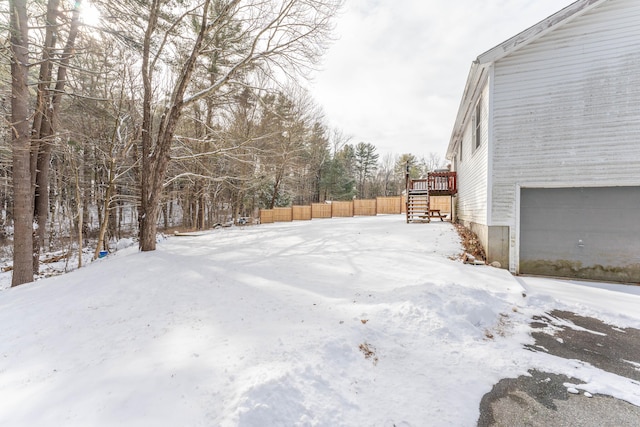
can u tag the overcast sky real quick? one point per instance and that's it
(395, 76)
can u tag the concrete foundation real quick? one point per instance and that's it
(494, 240)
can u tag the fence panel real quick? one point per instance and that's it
(403, 204)
(369, 207)
(320, 210)
(440, 202)
(389, 205)
(282, 214)
(301, 213)
(266, 216)
(341, 209)
(364, 207)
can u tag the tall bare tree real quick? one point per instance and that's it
(48, 102)
(195, 57)
(388, 184)
(20, 145)
(278, 34)
(49, 93)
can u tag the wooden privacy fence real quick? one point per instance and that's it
(301, 213)
(266, 216)
(390, 205)
(341, 209)
(282, 214)
(369, 207)
(442, 203)
(320, 210)
(365, 207)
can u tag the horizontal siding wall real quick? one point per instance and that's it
(472, 172)
(567, 108)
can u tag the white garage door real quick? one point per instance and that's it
(590, 233)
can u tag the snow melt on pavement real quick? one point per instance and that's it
(340, 322)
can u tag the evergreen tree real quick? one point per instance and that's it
(338, 181)
(365, 163)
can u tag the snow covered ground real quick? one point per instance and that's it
(363, 321)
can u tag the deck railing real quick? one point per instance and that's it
(437, 183)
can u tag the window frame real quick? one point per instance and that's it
(477, 125)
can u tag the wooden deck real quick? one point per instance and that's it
(419, 192)
(436, 184)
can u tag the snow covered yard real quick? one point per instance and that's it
(364, 321)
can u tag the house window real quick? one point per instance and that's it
(477, 125)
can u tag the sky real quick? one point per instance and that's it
(394, 77)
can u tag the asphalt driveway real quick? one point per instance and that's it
(542, 399)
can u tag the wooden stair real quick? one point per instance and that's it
(418, 191)
(418, 207)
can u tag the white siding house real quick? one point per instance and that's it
(549, 173)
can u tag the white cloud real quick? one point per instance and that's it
(395, 75)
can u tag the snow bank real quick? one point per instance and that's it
(341, 322)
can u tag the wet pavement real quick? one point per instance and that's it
(542, 399)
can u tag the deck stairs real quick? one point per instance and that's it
(419, 191)
(418, 206)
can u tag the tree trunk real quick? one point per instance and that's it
(165, 216)
(105, 209)
(170, 220)
(201, 211)
(117, 228)
(145, 225)
(276, 187)
(155, 162)
(20, 145)
(79, 204)
(80, 223)
(44, 125)
(149, 226)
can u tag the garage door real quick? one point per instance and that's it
(589, 233)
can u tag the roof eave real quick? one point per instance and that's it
(538, 30)
(475, 79)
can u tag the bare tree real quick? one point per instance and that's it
(433, 162)
(49, 93)
(316, 159)
(389, 185)
(277, 34)
(286, 126)
(22, 196)
(45, 121)
(241, 177)
(195, 56)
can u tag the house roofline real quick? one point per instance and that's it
(477, 73)
(486, 59)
